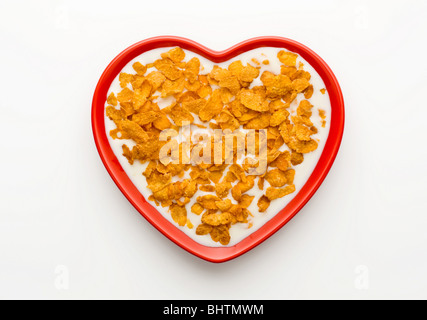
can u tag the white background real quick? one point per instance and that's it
(362, 236)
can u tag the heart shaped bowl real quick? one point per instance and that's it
(217, 254)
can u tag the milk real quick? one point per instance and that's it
(238, 231)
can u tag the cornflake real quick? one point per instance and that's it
(219, 192)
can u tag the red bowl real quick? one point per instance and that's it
(150, 213)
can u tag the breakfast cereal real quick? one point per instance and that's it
(215, 193)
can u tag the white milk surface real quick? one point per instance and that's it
(303, 171)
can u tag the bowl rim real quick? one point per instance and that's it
(123, 182)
